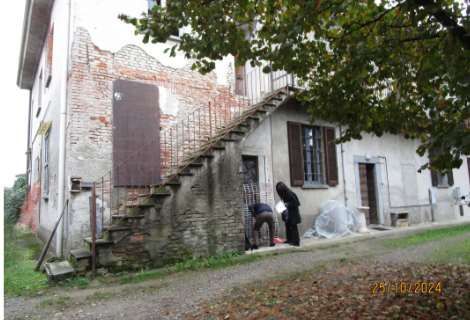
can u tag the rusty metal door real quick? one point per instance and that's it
(136, 134)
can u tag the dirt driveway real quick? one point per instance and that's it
(181, 294)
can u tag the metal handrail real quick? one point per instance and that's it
(195, 131)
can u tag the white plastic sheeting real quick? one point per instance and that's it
(336, 220)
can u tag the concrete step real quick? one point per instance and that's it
(59, 270)
(270, 105)
(127, 216)
(173, 182)
(227, 139)
(185, 173)
(116, 228)
(80, 259)
(195, 164)
(99, 242)
(158, 192)
(79, 254)
(237, 132)
(139, 205)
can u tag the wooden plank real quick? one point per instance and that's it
(48, 243)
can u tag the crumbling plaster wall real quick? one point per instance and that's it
(89, 140)
(45, 105)
(407, 186)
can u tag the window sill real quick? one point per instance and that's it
(315, 186)
(443, 187)
(174, 38)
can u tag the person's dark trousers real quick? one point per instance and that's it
(261, 218)
(292, 234)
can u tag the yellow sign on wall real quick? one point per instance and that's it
(44, 127)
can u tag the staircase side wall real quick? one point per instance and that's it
(203, 217)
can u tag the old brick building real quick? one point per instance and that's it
(175, 155)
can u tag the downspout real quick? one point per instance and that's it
(28, 146)
(342, 169)
(62, 137)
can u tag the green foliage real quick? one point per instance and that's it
(80, 282)
(429, 235)
(400, 67)
(21, 250)
(14, 198)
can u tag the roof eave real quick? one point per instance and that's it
(36, 21)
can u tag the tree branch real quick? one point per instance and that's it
(419, 38)
(447, 21)
(376, 19)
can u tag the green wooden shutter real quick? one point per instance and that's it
(331, 163)
(296, 163)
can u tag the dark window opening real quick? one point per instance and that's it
(39, 88)
(46, 167)
(50, 49)
(240, 82)
(441, 180)
(313, 156)
(368, 191)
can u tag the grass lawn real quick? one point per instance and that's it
(428, 235)
(214, 262)
(21, 251)
(459, 253)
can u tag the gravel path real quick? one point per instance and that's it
(178, 294)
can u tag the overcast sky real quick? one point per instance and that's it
(14, 102)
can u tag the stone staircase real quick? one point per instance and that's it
(142, 235)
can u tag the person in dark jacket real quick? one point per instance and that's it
(291, 216)
(262, 214)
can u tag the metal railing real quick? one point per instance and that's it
(182, 140)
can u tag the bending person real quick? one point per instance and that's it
(262, 213)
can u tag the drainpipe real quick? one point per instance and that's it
(62, 137)
(28, 146)
(342, 169)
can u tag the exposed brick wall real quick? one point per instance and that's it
(29, 211)
(89, 128)
(91, 83)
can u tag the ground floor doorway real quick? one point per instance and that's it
(368, 191)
